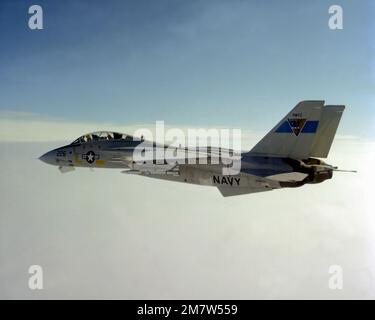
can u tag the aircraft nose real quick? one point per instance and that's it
(48, 157)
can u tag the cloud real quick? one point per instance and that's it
(103, 234)
(29, 127)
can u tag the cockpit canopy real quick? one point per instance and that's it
(102, 135)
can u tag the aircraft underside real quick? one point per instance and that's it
(310, 171)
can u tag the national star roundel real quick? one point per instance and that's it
(90, 156)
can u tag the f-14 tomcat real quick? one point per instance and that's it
(288, 156)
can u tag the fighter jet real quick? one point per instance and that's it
(287, 157)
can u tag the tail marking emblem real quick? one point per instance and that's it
(296, 124)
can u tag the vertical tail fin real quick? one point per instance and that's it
(330, 120)
(307, 130)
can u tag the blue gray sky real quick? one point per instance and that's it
(233, 63)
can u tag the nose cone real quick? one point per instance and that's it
(48, 157)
